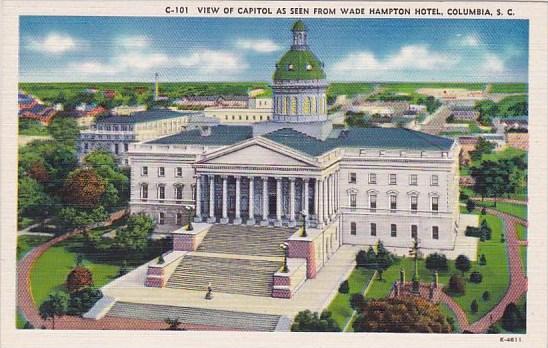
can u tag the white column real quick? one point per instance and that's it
(278, 202)
(331, 196)
(291, 201)
(237, 219)
(305, 193)
(265, 201)
(211, 179)
(251, 219)
(316, 202)
(321, 218)
(337, 191)
(198, 208)
(224, 220)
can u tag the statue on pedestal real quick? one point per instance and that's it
(209, 294)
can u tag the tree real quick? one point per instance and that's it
(483, 147)
(81, 218)
(32, 200)
(483, 260)
(512, 318)
(367, 259)
(117, 182)
(476, 277)
(436, 262)
(83, 188)
(306, 321)
(64, 130)
(344, 287)
(486, 295)
(401, 314)
(54, 306)
(487, 109)
(356, 301)
(80, 277)
(462, 263)
(174, 324)
(470, 205)
(490, 179)
(384, 257)
(38, 172)
(474, 306)
(81, 301)
(456, 284)
(135, 236)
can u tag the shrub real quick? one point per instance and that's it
(483, 211)
(80, 277)
(436, 262)
(463, 196)
(82, 300)
(474, 306)
(493, 329)
(306, 321)
(124, 269)
(512, 318)
(470, 205)
(486, 295)
(483, 260)
(456, 284)
(367, 259)
(356, 301)
(344, 287)
(462, 263)
(476, 277)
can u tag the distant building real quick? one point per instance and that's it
(213, 101)
(259, 110)
(109, 93)
(511, 123)
(115, 133)
(125, 110)
(464, 113)
(39, 112)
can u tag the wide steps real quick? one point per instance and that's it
(197, 316)
(227, 275)
(245, 240)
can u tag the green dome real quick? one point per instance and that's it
(298, 26)
(299, 65)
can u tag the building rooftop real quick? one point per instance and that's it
(220, 135)
(144, 116)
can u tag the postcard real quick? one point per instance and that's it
(261, 173)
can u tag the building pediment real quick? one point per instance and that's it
(261, 152)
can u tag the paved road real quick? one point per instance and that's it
(436, 125)
(518, 280)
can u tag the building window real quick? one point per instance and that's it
(161, 192)
(144, 191)
(193, 190)
(413, 179)
(144, 171)
(414, 203)
(313, 105)
(373, 229)
(353, 228)
(161, 218)
(126, 162)
(393, 202)
(178, 219)
(285, 101)
(414, 232)
(372, 178)
(86, 146)
(435, 232)
(179, 172)
(392, 179)
(116, 149)
(434, 180)
(161, 171)
(306, 105)
(178, 193)
(352, 178)
(393, 230)
(372, 202)
(435, 203)
(293, 105)
(353, 198)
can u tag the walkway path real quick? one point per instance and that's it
(516, 288)
(500, 199)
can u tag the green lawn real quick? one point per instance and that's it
(523, 257)
(19, 320)
(26, 242)
(340, 306)
(495, 274)
(51, 269)
(445, 310)
(522, 232)
(509, 88)
(519, 210)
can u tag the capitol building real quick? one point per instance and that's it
(348, 185)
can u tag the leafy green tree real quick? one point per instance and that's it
(84, 188)
(117, 190)
(70, 217)
(64, 130)
(82, 300)
(32, 200)
(344, 287)
(487, 109)
(483, 147)
(474, 306)
(384, 257)
(456, 284)
(134, 237)
(54, 306)
(356, 301)
(306, 321)
(436, 262)
(367, 259)
(462, 263)
(470, 205)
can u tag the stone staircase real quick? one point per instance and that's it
(197, 316)
(228, 275)
(245, 240)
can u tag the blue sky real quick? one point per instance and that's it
(225, 49)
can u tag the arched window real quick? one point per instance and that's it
(306, 106)
(313, 104)
(144, 191)
(293, 105)
(285, 101)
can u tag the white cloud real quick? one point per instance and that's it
(470, 41)
(142, 61)
(55, 43)
(259, 46)
(493, 63)
(212, 61)
(133, 42)
(410, 57)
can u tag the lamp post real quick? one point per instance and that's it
(285, 247)
(303, 217)
(415, 252)
(190, 218)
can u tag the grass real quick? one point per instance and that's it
(519, 210)
(51, 269)
(410, 87)
(495, 274)
(25, 222)
(509, 88)
(349, 89)
(446, 311)
(522, 232)
(19, 320)
(339, 307)
(26, 242)
(521, 304)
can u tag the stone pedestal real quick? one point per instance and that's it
(224, 221)
(264, 223)
(237, 221)
(250, 221)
